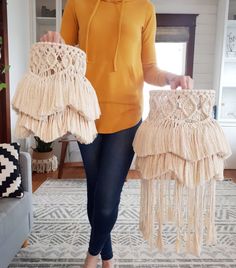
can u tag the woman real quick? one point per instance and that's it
(118, 37)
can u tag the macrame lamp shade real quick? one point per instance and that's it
(54, 97)
(180, 153)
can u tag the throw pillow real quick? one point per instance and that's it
(10, 178)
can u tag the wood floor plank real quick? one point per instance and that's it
(79, 172)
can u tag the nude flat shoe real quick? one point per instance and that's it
(93, 263)
(106, 265)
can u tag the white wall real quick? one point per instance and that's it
(19, 45)
(204, 54)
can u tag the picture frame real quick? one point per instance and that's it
(231, 41)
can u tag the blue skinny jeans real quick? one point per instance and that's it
(106, 161)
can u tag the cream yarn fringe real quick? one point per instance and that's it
(188, 173)
(56, 125)
(165, 201)
(180, 153)
(190, 141)
(55, 94)
(54, 97)
(44, 165)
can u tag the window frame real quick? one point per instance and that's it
(182, 20)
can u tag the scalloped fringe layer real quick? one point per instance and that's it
(40, 97)
(164, 202)
(182, 139)
(56, 126)
(188, 173)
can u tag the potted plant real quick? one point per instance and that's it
(43, 150)
(43, 158)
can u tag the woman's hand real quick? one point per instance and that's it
(185, 82)
(53, 37)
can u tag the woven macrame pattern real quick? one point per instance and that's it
(181, 107)
(54, 97)
(180, 153)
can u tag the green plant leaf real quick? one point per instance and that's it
(6, 69)
(2, 86)
(0, 40)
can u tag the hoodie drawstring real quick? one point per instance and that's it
(88, 27)
(118, 39)
(119, 32)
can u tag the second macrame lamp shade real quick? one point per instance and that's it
(54, 97)
(180, 153)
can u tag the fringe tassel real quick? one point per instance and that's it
(147, 210)
(181, 139)
(57, 126)
(42, 166)
(211, 233)
(154, 166)
(41, 97)
(188, 213)
(160, 213)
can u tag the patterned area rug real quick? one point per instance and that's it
(61, 230)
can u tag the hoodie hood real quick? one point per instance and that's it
(119, 26)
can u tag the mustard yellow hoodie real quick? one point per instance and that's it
(118, 37)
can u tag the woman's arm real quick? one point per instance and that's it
(155, 76)
(70, 24)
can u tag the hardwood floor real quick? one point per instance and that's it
(230, 173)
(38, 179)
(71, 172)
